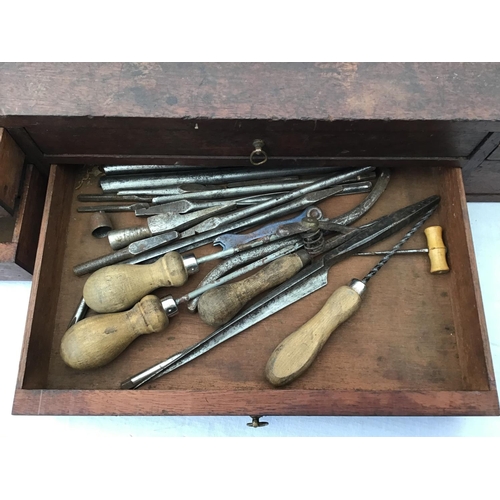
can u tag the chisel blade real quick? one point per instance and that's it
(307, 281)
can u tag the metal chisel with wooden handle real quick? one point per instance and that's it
(119, 287)
(95, 341)
(295, 354)
(307, 281)
(219, 305)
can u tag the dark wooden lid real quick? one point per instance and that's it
(283, 91)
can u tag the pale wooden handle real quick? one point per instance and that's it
(95, 341)
(119, 287)
(219, 305)
(297, 352)
(437, 250)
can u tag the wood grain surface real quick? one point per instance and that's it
(281, 91)
(412, 335)
(11, 169)
(249, 402)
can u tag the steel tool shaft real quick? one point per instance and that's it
(346, 218)
(121, 183)
(114, 208)
(96, 198)
(295, 354)
(185, 206)
(117, 288)
(224, 191)
(188, 242)
(307, 281)
(95, 341)
(157, 224)
(135, 248)
(214, 222)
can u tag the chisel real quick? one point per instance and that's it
(95, 341)
(218, 306)
(127, 182)
(295, 354)
(307, 281)
(157, 224)
(188, 242)
(116, 288)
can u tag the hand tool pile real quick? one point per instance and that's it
(186, 210)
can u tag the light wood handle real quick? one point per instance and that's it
(96, 341)
(297, 352)
(119, 287)
(219, 305)
(437, 250)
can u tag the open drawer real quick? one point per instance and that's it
(22, 194)
(417, 346)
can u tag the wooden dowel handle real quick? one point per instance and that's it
(297, 352)
(437, 250)
(119, 287)
(96, 341)
(219, 305)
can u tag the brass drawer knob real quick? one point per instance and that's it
(258, 156)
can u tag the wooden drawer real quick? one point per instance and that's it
(417, 346)
(22, 194)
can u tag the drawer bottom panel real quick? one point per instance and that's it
(418, 344)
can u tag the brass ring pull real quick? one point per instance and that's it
(258, 156)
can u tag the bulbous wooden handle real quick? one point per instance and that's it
(297, 352)
(219, 305)
(437, 250)
(119, 287)
(96, 341)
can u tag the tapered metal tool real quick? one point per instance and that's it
(295, 354)
(133, 249)
(307, 281)
(80, 313)
(96, 198)
(347, 218)
(114, 208)
(217, 221)
(95, 341)
(121, 183)
(216, 193)
(185, 206)
(119, 287)
(157, 224)
(189, 241)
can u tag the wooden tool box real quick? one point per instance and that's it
(418, 345)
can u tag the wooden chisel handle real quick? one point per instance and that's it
(96, 341)
(219, 305)
(297, 352)
(119, 287)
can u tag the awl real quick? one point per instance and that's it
(295, 354)
(307, 281)
(157, 224)
(116, 288)
(95, 341)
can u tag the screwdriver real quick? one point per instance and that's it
(218, 306)
(97, 340)
(296, 353)
(118, 287)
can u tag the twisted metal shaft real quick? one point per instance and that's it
(397, 246)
